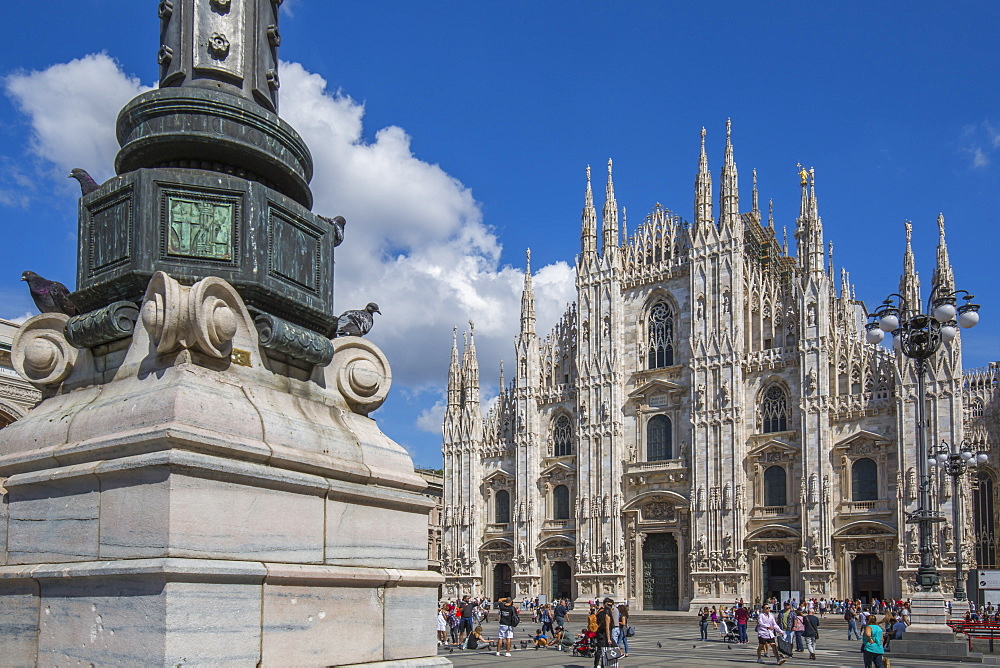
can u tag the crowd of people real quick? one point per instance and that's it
(797, 625)
(459, 626)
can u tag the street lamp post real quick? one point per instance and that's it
(919, 336)
(956, 460)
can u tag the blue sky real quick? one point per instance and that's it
(453, 135)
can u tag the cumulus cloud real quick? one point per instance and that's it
(416, 241)
(72, 109)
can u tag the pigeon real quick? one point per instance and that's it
(658, 644)
(338, 222)
(87, 183)
(356, 322)
(49, 296)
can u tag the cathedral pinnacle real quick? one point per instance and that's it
(944, 277)
(729, 198)
(909, 282)
(528, 299)
(588, 234)
(609, 219)
(703, 188)
(755, 208)
(770, 213)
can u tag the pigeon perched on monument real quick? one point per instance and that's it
(87, 182)
(356, 322)
(49, 296)
(339, 223)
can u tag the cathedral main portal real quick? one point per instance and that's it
(660, 577)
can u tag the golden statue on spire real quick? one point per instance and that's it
(803, 175)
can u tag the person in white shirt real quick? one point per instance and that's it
(767, 627)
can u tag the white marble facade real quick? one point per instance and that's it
(704, 423)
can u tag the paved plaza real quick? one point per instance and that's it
(678, 637)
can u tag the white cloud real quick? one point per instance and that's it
(979, 158)
(20, 320)
(416, 242)
(72, 108)
(430, 418)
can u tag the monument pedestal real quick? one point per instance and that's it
(928, 636)
(188, 496)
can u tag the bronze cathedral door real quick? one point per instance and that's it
(659, 572)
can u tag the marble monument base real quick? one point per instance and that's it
(928, 636)
(186, 496)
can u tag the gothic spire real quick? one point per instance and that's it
(609, 218)
(830, 261)
(503, 383)
(588, 235)
(703, 188)
(809, 247)
(804, 199)
(454, 373)
(770, 213)
(527, 299)
(944, 277)
(755, 208)
(470, 369)
(729, 196)
(909, 282)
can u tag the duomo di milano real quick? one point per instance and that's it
(706, 422)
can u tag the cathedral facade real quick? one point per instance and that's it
(706, 422)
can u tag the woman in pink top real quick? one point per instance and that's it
(767, 626)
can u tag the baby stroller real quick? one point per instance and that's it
(727, 630)
(585, 646)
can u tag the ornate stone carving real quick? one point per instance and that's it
(111, 323)
(40, 352)
(296, 342)
(362, 372)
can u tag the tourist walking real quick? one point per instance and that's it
(871, 645)
(605, 616)
(560, 613)
(507, 616)
(742, 616)
(852, 623)
(767, 630)
(810, 634)
(442, 625)
(622, 639)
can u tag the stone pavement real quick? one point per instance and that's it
(680, 646)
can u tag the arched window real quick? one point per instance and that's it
(976, 409)
(562, 437)
(659, 439)
(560, 503)
(660, 349)
(984, 518)
(501, 514)
(864, 480)
(774, 486)
(773, 414)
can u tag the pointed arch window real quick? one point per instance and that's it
(562, 436)
(775, 489)
(660, 347)
(984, 518)
(977, 408)
(773, 413)
(864, 480)
(560, 503)
(501, 507)
(659, 439)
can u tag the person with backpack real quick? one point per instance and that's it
(852, 623)
(623, 628)
(605, 619)
(508, 618)
(545, 617)
(810, 634)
